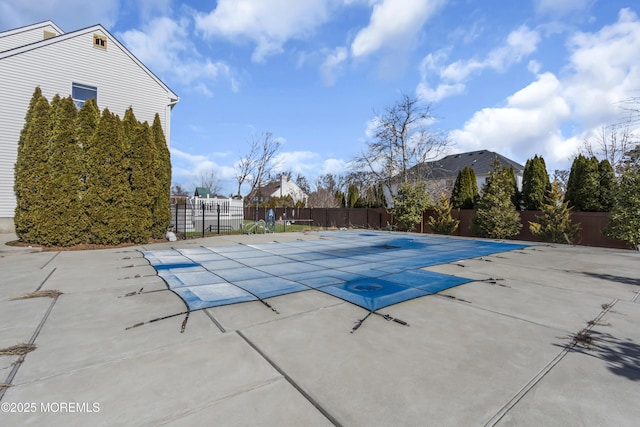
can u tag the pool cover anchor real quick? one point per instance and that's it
(386, 317)
(184, 323)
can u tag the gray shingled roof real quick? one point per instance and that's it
(449, 166)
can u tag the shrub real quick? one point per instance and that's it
(555, 223)
(443, 222)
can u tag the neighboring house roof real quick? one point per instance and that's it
(22, 36)
(281, 188)
(65, 36)
(203, 192)
(448, 167)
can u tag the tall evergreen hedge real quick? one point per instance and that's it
(535, 183)
(465, 190)
(583, 186)
(83, 177)
(62, 195)
(32, 172)
(160, 213)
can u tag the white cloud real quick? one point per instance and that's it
(309, 164)
(444, 90)
(393, 23)
(527, 125)
(332, 65)
(602, 70)
(267, 23)
(519, 43)
(451, 78)
(164, 46)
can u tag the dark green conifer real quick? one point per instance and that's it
(624, 221)
(141, 152)
(583, 186)
(66, 221)
(108, 186)
(465, 190)
(21, 170)
(535, 183)
(608, 184)
(161, 214)
(32, 171)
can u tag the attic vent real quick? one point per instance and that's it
(48, 35)
(100, 41)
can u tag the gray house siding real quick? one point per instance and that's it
(26, 35)
(53, 65)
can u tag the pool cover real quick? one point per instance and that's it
(371, 270)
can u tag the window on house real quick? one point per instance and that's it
(81, 93)
(99, 41)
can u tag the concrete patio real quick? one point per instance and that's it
(545, 335)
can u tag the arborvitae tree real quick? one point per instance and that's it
(555, 223)
(352, 196)
(608, 183)
(496, 216)
(443, 222)
(32, 172)
(22, 222)
(66, 221)
(108, 186)
(409, 204)
(624, 221)
(141, 152)
(583, 187)
(161, 214)
(535, 183)
(465, 190)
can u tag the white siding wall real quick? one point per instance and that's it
(120, 81)
(24, 36)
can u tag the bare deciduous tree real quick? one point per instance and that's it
(402, 139)
(611, 143)
(209, 179)
(256, 166)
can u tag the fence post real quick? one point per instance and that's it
(218, 208)
(176, 230)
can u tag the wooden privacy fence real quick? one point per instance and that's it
(592, 224)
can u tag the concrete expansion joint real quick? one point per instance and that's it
(198, 408)
(291, 381)
(21, 359)
(536, 379)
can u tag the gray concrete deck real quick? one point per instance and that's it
(486, 353)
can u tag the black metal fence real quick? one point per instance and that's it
(200, 219)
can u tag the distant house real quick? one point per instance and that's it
(440, 175)
(203, 192)
(279, 188)
(87, 63)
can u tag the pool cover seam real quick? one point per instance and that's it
(291, 381)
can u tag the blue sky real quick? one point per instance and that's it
(516, 77)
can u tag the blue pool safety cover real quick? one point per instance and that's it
(372, 270)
